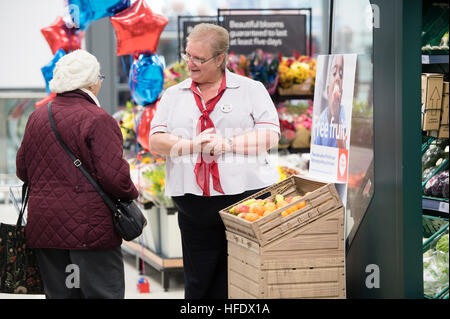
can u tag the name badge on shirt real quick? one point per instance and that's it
(226, 108)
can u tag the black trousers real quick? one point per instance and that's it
(204, 244)
(82, 274)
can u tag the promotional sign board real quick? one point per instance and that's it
(185, 26)
(332, 113)
(279, 33)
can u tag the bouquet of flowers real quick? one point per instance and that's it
(296, 123)
(155, 177)
(238, 64)
(296, 71)
(174, 74)
(126, 118)
(258, 66)
(284, 172)
(297, 115)
(287, 130)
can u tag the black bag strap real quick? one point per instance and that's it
(79, 164)
(25, 190)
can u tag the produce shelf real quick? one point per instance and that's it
(434, 59)
(425, 145)
(441, 167)
(432, 225)
(429, 246)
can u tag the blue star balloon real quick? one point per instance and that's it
(83, 12)
(146, 79)
(47, 70)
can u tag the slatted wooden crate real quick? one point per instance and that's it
(322, 198)
(306, 263)
(298, 256)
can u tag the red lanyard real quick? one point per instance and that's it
(206, 164)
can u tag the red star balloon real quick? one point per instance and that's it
(144, 125)
(59, 36)
(138, 29)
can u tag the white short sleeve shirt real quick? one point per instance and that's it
(245, 106)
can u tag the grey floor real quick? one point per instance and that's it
(132, 274)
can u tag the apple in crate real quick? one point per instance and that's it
(243, 207)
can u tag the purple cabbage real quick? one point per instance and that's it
(438, 185)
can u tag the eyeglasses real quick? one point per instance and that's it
(186, 57)
(101, 77)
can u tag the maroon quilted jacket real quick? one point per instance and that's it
(64, 210)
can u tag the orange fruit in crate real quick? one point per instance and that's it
(257, 208)
(269, 208)
(242, 215)
(289, 211)
(251, 217)
(300, 205)
(282, 204)
(284, 213)
(241, 208)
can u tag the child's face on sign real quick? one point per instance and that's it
(334, 85)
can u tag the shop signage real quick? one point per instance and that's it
(186, 24)
(272, 33)
(332, 114)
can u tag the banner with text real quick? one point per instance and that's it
(188, 25)
(332, 114)
(272, 33)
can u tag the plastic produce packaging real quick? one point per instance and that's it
(435, 266)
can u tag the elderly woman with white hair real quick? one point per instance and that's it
(68, 223)
(215, 129)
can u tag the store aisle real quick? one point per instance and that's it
(176, 286)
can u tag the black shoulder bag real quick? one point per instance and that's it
(127, 217)
(19, 269)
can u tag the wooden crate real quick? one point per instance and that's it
(306, 263)
(322, 199)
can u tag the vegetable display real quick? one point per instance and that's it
(433, 162)
(435, 267)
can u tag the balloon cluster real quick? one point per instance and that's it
(137, 29)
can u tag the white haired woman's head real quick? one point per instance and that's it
(76, 70)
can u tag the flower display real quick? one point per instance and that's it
(296, 71)
(295, 120)
(284, 172)
(175, 74)
(259, 66)
(155, 178)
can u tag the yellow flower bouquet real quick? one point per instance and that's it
(297, 76)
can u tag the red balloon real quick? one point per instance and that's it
(143, 133)
(138, 29)
(59, 36)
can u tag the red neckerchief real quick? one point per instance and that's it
(203, 169)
